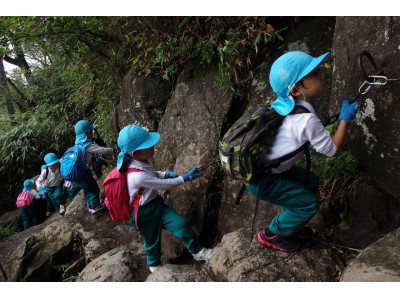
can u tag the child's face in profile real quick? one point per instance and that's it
(311, 87)
(55, 167)
(143, 155)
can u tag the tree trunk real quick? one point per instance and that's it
(4, 90)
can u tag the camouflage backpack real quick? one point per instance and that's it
(243, 148)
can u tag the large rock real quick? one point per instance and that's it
(190, 131)
(122, 264)
(370, 214)
(378, 262)
(180, 273)
(43, 255)
(142, 101)
(374, 135)
(238, 259)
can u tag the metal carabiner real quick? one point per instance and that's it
(371, 61)
(378, 80)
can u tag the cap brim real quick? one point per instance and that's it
(53, 162)
(315, 63)
(153, 139)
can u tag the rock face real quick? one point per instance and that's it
(377, 262)
(41, 256)
(238, 259)
(374, 134)
(180, 273)
(190, 129)
(122, 264)
(142, 101)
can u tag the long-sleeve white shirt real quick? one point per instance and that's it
(96, 149)
(297, 129)
(34, 194)
(150, 179)
(52, 179)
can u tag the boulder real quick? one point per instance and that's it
(379, 262)
(122, 264)
(373, 137)
(190, 129)
(180, 273)
(44, 256)
(142, 100)
(238, 259)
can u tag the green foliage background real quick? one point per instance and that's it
(74, 67)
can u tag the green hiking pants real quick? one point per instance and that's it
(153, 217)
(29, 216)
(70, 193)
(56, 195)
(90, 189)
(298, 201)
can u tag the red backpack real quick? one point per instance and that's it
(117, 195)
(24, 199)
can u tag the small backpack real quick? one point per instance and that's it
(243, 148)
(24, 199)
(117, 195)
(73, 162)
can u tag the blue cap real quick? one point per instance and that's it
(132, 138)
(51, 159)
(287, 70)
(28, 184)
(81, 127)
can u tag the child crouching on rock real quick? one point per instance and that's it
(50, 180)
(152, 215)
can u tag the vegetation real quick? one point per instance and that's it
(7, 230)
(74, 66)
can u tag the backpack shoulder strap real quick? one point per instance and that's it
(85, 144)
(299, 109)
(136, 199)
(133, 170)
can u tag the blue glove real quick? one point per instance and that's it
(348, 111)
(191, 175)
(170, 174)
(42, 191)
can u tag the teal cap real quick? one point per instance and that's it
(132, 138)
(287, 70)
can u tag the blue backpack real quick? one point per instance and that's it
(73, 162)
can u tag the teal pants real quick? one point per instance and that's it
(56, 195)
(29, 216)
(153, 217)
(70, 193)
(298, 201)
(90, 189)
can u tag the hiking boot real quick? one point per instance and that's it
(153, 268)
(203, 254)
(62, 209)
(277, 242)
(303, 234)
(96, 209)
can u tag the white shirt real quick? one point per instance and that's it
(53, 179)
(297, 129)
(34, 194)
(150, 179)
(96, 149)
